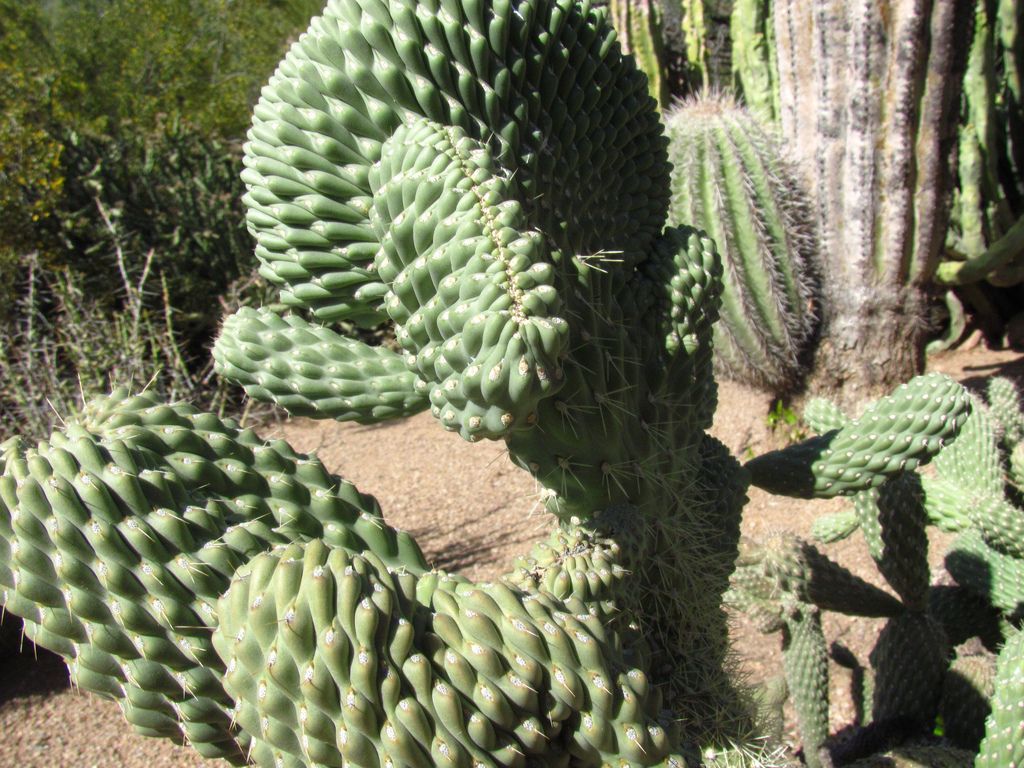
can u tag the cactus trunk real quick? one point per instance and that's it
(868, 95)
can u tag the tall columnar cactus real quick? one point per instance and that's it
(685, 46)
(640, 27)
(987, 227)
(731, 179)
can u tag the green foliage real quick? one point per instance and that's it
(782, 419)
(60, 346)
(175, 194)
(137, 107)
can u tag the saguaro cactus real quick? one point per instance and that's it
(867, 105)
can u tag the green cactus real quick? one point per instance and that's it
(915, 676)
(491, 178)
(1004, 730)
(729, 178)
(640, 29)
(987, 228)
(755, 71)
(966, 691)
(896, 434)
(805, 660)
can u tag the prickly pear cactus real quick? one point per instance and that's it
(730, 178)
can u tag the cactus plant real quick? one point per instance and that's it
(915, 675)
(987, 227)
(492, 178)
(729, 178)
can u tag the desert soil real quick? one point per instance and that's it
(471, 511)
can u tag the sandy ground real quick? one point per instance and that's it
(471, 511)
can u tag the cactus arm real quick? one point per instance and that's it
(893, 520)
(310, 370)
(1004, 252)
(1003, 743)
(899, 432)
(985, 571)
(823, 415)
(805, 660)
(493, 673)
(120, 534)
(1005, 408)
(753, 67)
(910, 659)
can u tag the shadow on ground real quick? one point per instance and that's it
(24, 669)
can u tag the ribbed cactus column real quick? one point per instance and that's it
(730, 178)
(867, 100)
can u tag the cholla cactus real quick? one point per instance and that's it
(915, 676)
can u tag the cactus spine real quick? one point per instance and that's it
(729, 178)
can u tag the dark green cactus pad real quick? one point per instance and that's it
(909, 660)
(310, 370)
(729, 179)
(334, 658)
(966, 691)
(470, 288)
(895, 434)
(893, 520)
(1003, 744)
(997, 577)
(119, 534)
(573, 566)
(803, 572)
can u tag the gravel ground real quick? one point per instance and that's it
(471, 511)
